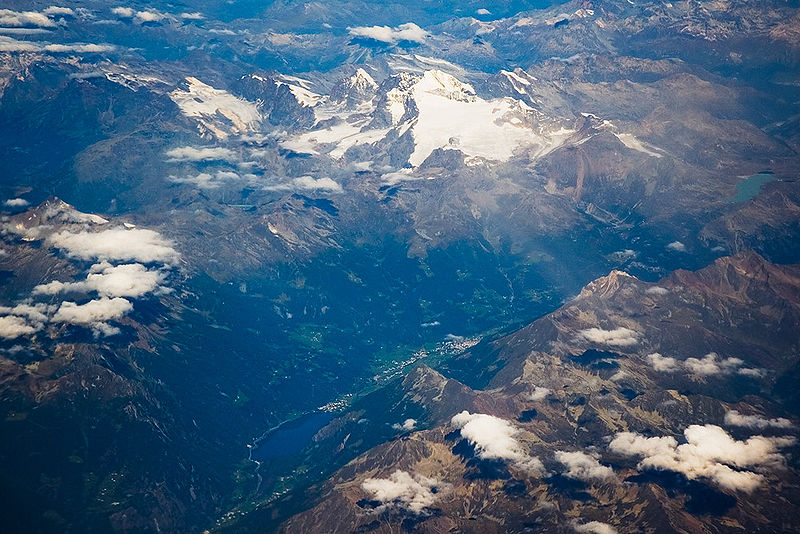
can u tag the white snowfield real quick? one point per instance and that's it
(627, 139)
(299, 87)
(439, 111)
(215, 110)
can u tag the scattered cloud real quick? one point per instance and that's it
(16, 202)
(57, 10)
(709, 453)
(495, 439)
(411, 492)
(128, 280)
(408, 425)
(24, 31)
(12, 326)
(124, 12)
(22, 319)
(583, 466)
(308, 183)
(9, 44)
(657, 290)
(192, 16)
(99, 310)
(709, 365)
(593, 527)
(86, 48)
(623, 255)
(205, 180)
(385, 34)
(539, 393)
(403, 175)
(150, 15)
(320, 184)
(483, 11)
(36, 313)
(619, 375)
(110, 282)
(712, 364)
(677, 246)
(144, 16)
(749, 371)
(135, 244)
(25, 18)
(620, 337)
(665, 364)
(190, 153)
(105, 329)
(734, 418)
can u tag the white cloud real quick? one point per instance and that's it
(403, 175)
(661, 363)
(414, 493)
(494, 439)
(124, 12)
(582, 466)
(88, 48)
(105, 329)
(9, 44)
(16, 202)
(190, 153)
(483, 11)
(57, 10)
(102, 309)
(594, 527)
(408, 425)
(711, 364)
(36, 313)
(192, 16)
(734, 418)
(404, 32)
(24, 31)
(128, 280)
(120, 244)
(657, 290)
(539, 393)
(25, 18)
(677, 246)
(307, 183)
(621, 337)
(150, 15)
(321, 184)
(619, 375)
(755, 373)
(218, 179)
(12, 327)
(709, 453)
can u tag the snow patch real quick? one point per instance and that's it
(216, 111)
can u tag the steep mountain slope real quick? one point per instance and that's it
(652, 406)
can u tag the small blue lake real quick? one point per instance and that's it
(290, 437)
(749, 187)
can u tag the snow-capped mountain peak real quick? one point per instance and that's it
(355, 90)
(362, 80)
(433, 109)
(436, 82)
